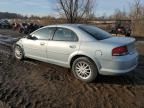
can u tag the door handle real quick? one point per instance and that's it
(42, 43)
(72, 46)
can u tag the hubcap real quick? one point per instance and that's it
(83, 70)
(18, 53)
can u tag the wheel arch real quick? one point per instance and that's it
(18, 43)
(83, 55)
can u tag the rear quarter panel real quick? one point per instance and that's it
(97, 51)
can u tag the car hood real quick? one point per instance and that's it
(119, 40)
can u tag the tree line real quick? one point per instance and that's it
(7, 15)
(76, 10)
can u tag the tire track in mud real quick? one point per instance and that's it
(15, 97)
(34, 84)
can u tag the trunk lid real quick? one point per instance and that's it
(122, 41)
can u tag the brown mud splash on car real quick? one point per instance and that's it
(34, 84)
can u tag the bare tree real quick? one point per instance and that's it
(75, 10)
(137, 17)
(136, 10)
(142, 11)
(119, 15)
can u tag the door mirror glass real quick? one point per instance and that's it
(32, 37)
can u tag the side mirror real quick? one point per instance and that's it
(31, 37)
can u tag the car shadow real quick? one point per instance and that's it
(127, 79)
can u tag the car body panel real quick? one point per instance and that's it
(59, 51)
(119, 40)
(119, 65)
(35, 48)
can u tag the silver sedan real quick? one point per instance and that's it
(86, 49)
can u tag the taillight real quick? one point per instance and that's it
(120, 51)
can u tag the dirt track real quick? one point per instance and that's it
(34, 84)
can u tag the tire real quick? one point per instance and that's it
(84, 69)
(18, 52)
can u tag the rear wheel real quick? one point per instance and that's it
(18, 52)
(84, 69)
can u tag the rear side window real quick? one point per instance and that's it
(44, 33)
(63, 34)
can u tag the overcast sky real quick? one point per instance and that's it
(47, 7)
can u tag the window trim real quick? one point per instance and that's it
(52, 39)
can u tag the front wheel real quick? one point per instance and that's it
(84, 69)
(18, 52)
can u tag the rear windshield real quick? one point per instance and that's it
(97, 33)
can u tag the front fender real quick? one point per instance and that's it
(18, 43)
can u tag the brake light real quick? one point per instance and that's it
(120, 51)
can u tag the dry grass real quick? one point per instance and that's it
(138, 28)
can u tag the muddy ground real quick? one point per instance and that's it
(34, 84)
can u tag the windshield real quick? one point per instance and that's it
(97, 33)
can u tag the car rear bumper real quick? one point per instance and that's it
(119, 65)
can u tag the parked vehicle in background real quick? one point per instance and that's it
(122, 27)
(4, 24)
(87, 50)
(26, 28)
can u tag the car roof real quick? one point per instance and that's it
(65, 25)
(71, 26)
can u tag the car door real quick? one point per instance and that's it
(63, 44)
(35, 45)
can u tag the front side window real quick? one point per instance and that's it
(44, 33)
(63, 34)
